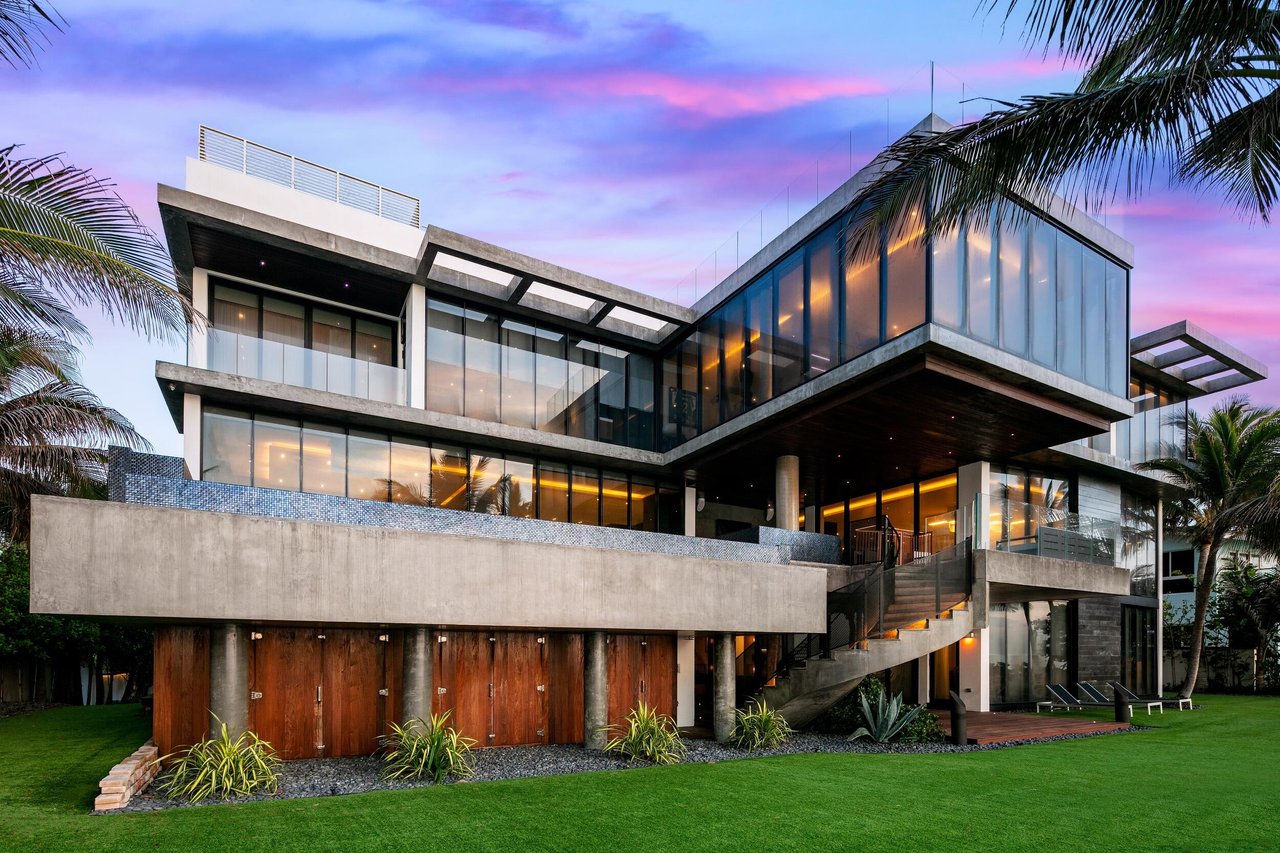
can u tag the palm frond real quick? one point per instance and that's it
(1239, 155)
(22, 24)
(33, 308)
(67, 231)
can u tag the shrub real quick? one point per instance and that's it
(426, 749)
(845, 716)
(886, 719)
(923, 728)
(760, 727)
(222, 766)
(648, 736)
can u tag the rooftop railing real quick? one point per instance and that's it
(250, 158)
(256, 358)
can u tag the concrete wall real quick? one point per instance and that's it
(1026, 577)
(108, 559)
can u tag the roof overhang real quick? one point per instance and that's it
(1184, 357)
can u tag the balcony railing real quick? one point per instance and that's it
(305, 368)
(250, 158)
(1049, 532)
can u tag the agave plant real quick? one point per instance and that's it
(886, 720)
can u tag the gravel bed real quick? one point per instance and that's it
(322, 777)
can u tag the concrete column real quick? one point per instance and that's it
(922, 679)
(229, 677)
(415, 346)
(690, 503)
(595, 688)
(685, 664)
(975, 670)
(1159, 567)
(198, 336)
(787, 493)
(973, 512)
(725, 692)
(191, 437)
(417, 684)
(812, 519)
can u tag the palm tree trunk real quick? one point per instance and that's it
(1204, 586)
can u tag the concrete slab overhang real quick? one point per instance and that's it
(116, 560)
(1076, 457)
(1026, 577)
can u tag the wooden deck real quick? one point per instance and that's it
(1001, 727)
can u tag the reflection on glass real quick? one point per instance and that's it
(585, 496)
(283, 322)
(1070, 264)
(553, 492)
(861, 305)
(824, 317)
(368, 466)
(947, 283)
(759, 365)
(640, 401)
(444, 357)
(1094, 337)
(734, 358)
(552, 369)
(644, 506)
(373, 342)
(410, 472)
(483, 493)
(324, 459)
(227, 445)
(979, 282)
(1044, 300)
(1117, 329)
(518, 384)
(448, 477)
(1013, 289)
(584, 386)
(613, 500)
(709, 358)
(330, 332)
(235, 311)
(519, 489)
(788, 343)
(611, 403)
(899, 504)
(483, 366)
(905, 280)
(690, 397)
(275, 453)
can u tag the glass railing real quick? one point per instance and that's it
(1050, 532)
(256, 358)
(1153, 434)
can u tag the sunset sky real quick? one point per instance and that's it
(626, 140)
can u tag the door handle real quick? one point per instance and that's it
(319, 694)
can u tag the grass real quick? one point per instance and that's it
(1205, 780)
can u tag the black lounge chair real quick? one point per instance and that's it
(1093, 694)
(1062, 698)
(1132, 698)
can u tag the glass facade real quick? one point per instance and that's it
(486, 365)
(1138, 543)
(1025, 287)
(919, 510)
(1138, 649)
(1030, 648)
(282, 453)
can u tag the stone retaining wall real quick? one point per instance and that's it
(127, 778)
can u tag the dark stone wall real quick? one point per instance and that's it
(1098, 641)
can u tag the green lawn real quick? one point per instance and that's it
(1207, 780)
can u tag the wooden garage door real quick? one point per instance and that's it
(642, 668)
(463, 671)
(563, 656)
(180, 713)
(495, 686)
(353, 675)
(519, 689)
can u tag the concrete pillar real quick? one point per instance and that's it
(922, 679)
(417, 684)
(685, 663)
(229, 677)
(975, 670)
(787, 493)
(725, 692)
(198, 336)
(595, 688)
(973, 513)
(192, 433)
(415, 346)
(690, 503)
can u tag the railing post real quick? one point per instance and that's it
(244, 156)
(937, 584)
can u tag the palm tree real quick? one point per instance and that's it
(1251, 598)
(1187, 89)
(1231, 466)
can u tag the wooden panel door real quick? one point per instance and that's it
(285, 673)
(392, 678)
(352, 676)
(519, 706)
(563, 657)
(659, 688)
(464, 668)
(180, 711)
(626, 671)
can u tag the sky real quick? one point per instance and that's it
(629, 140)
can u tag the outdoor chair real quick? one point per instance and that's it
(1178, 701)
(1134, 699)
(1093, 694)
(1062, 698)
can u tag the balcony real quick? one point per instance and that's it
(1040, 531)
(271, 361)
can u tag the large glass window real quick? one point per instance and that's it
(410, 472)
(948, 283)
(644, 506)
(283, 322)
(227, 443)
(324, 459)
(584, 388)
(1094, 332)
(276, 459)
(1030, 648)
(613, 500)
(734, 358)
(519, 398)
(824, 315)
(709, 356)
(585, 496)
(553, 492)
(520, 489)
(1013, 289)
(611, 411)
(861, 305)
(444, 357)
(235, 311)
(788, 342)
(483, 366)
(1117, 329)
(368, 466)
(979, 281)
(760, 342)
(448, 477)
(373, 342)
(640, 400)
(905, 281)
(1044, 300)
(1070, 296)
(483, 491)
(552, 368)
(330, 332)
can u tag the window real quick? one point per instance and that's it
(905, 281)
(980, 282)
(485, 476)
(613, 500)
(410, 472)
(1070, 286)
(1013, 289)
(520, 489)
(824, 315)
(553, 492)
(552, 372)
(948, 286)
(861, 305)
(227, 444)
(324, 459)
(585, 497)
(788, 338)
(584, 388)
(759, 364)
(368, 466)
(444, 357)
(483, 366)
(1043, 266)
(448, 477)
(734, 354)
(276, 453)
(235, 311)
(519, 397)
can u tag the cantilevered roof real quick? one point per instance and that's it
(1184, 357)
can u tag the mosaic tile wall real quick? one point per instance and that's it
(158, 481)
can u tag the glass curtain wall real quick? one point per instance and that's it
(1030, 648)
(1138, 649)
(919, 508)
(282, 453)
(1138, 542)
(483, 364)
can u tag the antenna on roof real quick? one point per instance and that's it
(930, 87)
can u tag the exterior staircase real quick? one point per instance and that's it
(893, 615)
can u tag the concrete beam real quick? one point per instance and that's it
(100, 558)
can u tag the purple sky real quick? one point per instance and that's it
(627, 140)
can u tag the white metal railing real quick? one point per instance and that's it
(256, 358)
(250, 158)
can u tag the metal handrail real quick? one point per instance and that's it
(261, 161)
